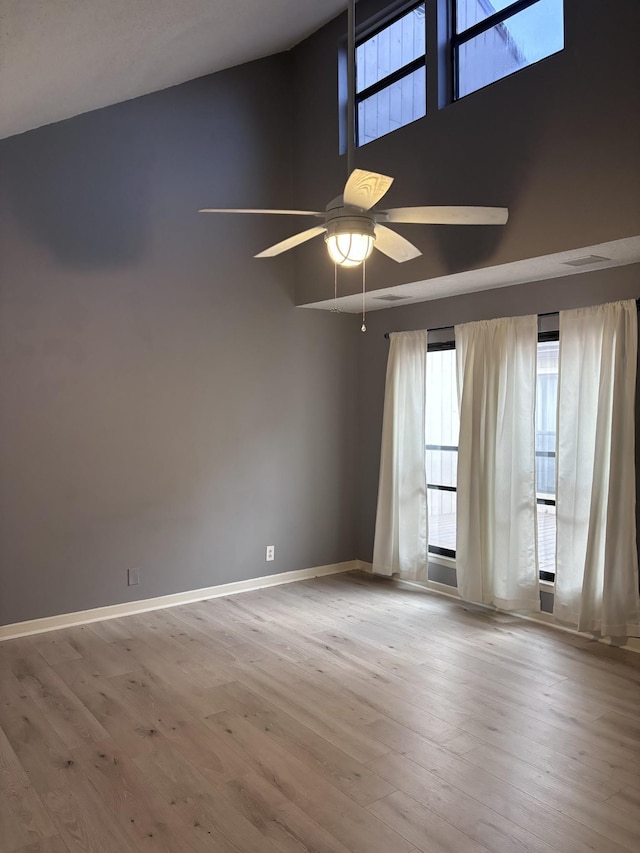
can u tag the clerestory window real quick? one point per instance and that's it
(494, 38)
(391, 76)
(479, 42)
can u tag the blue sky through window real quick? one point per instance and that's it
(537, 31)
(522, 39)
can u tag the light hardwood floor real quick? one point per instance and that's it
(340, 714)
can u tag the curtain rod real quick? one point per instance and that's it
(546, 314)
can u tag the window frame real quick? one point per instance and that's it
(546, 337)
(458, 39)
(394, 76)
(437, 550)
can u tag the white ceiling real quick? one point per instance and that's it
(60, 58)
(601, 256)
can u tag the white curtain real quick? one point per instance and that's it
(496, 559)
(400, 544)
(597, 560)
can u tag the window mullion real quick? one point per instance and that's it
(458, 39)
(390, 79)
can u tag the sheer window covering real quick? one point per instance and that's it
(597, 560)
(401, 536)
(496, 560)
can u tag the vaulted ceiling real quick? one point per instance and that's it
(60, 58)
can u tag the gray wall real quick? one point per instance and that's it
(536, 297)
(557, 143)
(163, 405)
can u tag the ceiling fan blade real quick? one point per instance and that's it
(395, 246)
(365, 189)
(290, 242)
(449, 215)
(250, 210)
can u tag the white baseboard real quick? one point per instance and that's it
(443, 589)
(130, 608)
(632, 644)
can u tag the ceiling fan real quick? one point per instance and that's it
(352, 225)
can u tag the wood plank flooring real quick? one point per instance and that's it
(341, 715)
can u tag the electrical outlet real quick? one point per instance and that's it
(133, 577)
(270, 553)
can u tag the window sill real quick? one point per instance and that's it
(442, 560)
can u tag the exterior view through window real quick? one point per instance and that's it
(546, 415)
(494, 38)
(391, 76)
(442, 428)
(487, 39)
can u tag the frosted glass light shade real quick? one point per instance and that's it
(349, 249)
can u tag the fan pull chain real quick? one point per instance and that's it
(335, 289)
(363, 328)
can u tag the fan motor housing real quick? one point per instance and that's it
(342, 221)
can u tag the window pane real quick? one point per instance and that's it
(442, 467)
(521, 40)
(547, 539)
(442, 420)
(391, 49)
(470, 12)
(400, 103)
(442, 428)
(546, 414)
(442, 519)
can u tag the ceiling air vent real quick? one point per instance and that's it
(390, 298)
(584, 262)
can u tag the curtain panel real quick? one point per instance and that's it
(401, 536)
(496, 559)
(597, 558)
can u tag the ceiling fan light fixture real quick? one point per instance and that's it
(349, 250)
(350, 242)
